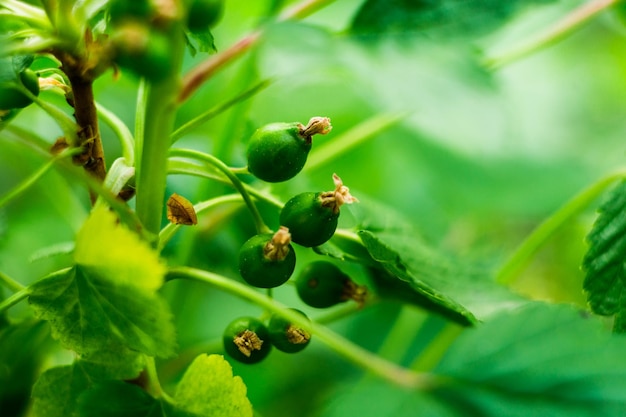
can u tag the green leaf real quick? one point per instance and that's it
(22, 352)
(56, 391)
(89, 312)
(603, 263)
(209, 389)
(117, 254)
(113, 363)
(10, 67)
(541, 360)
(409, 270)
(447, 18)
(120, 399)
(200, 42)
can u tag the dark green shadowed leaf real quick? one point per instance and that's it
(447, 18)
(409, 270)
(56, 391)
(120, 399)
(539, 360)
(88, 312)
(604, 261)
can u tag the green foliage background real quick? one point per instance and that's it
(479, 158)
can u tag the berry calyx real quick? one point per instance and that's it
(246, 340)
(267, 260)
(278, 151)
(322, 284)
(312, 217)
(286, 336)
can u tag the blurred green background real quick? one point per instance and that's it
(479, 159)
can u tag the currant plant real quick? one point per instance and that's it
(170, 243)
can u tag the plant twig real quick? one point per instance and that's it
(10, 283)
(553, 34)
(14, 299)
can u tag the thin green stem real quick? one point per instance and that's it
(180, 167)
(10, 283)
(402, 333)
(13, 299)
(121, 131)
(352, 352)
(168, 231)
(432, 354)
(153, 380)
(217, 110)
(236, 182)
(553, 34)
(32, 179)
(527, 249)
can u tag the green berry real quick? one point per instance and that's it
(278, 151)
(204, 14)
(267, 260)
(143, 51)
(322, 284)
(124, 10)
(246, 340)
(312, 217)
(286, 336)
(11, 96)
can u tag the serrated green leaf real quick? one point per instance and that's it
(200, 42)
(113, 363)
(120, 399)
(539, 360)
(116, 253)
(209, 389)
(448, 18)
(604, 282)
(56, 391)
(88, 312)
(409, 270)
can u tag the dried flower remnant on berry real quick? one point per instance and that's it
(296, 335)
(181, 211)
(277, 248)
(316, 126)
(338, 197)
(247, 342)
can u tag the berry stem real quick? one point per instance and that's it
(10, 283)
(261, 227)
(14, 299)
(354, 353)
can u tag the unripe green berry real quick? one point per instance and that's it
(246, 340)
(312, 217)
(278, 151)
(203, 14)
(11, 95)
(286, 336)
(322, 284)
(267, 260)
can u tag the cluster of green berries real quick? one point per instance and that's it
(249, 340)
(140, 40)
(278, 152)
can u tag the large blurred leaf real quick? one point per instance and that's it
(540, 360)
(57, 390)
(89, 312)
(453, 18)
(605, 279)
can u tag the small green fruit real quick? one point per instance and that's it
(312, 217)
(322, 284)
(11, 96)
(246, 340)
(123, 10)
(143, 51)
(204, 14)
(278, 151)
(286, 336)
(267, 260)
